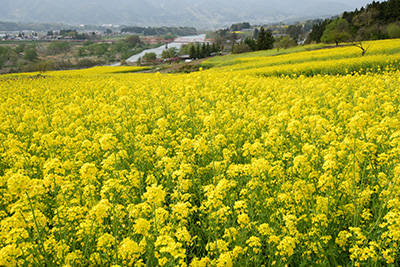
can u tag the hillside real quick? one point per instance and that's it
(205, 13)
(378, 20)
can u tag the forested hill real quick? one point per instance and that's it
(194, 13)
(378, 20)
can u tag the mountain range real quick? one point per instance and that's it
(197, 13)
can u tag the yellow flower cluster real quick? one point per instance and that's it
(221, 167)
(95, 71)
(381, 55)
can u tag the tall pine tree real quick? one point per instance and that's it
(265, 40)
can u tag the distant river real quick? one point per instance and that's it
(178, 42)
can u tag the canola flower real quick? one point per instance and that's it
(214, 168)
(94, 71)
(381, 55)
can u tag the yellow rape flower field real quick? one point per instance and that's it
(291, 160)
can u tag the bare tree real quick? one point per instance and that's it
(360, 45)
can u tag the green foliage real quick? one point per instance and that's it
(233, 37)
(337, 31)
(374, 32)
(121, 47)
(15, 26)
(169, 53)
(84, 63)
(31, 55)
(82, 52)
(393, 30)
(100, 49)
(20, 48)
(57, 47)
(294, 31)
(222, 32)
(133, 40)
(317, 32)
(285, 42)
(242, 48)
(73, 34)
(149, 57)
(95, 49)
(239, 26)
(265, 40)
(197, 50)
(255, 34)
(88, 42)
(46, 65)
(387, 11)
(251, 43)
(192, 52)
(7, 56)
(369, 23)
(169, 36)
(3, 56)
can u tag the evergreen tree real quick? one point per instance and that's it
(192, 51)
(208, 49)
(265, 40)
(233, 38)
(251, 43)
(255, 34)
(198, 52)
(214, 48)
(203, 50)
(317, 32)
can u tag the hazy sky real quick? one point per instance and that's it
(353, 3)
(171, 12)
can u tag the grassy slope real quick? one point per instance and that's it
(313, 60)
(227, 60)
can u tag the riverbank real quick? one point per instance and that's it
(177, 43)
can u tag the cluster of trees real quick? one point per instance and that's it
(7, 54)
(33, 56)
(159, 31)
(16, 26)
(120, 50)
(261, 40)
(193, 50)
(376, 21)
(296, 31)
(17, 57)
(58, 47)
(278, 36)
(239, 26)
(23, 57)
(169, 53)
(109, 52)
(93, 49)
(148, 59)
(198, 50)
(72, 33)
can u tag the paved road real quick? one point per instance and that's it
(178, 42)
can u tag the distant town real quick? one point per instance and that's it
(42, 47)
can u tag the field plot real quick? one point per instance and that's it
(246, 164)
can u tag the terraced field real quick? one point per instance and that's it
(261, 160)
